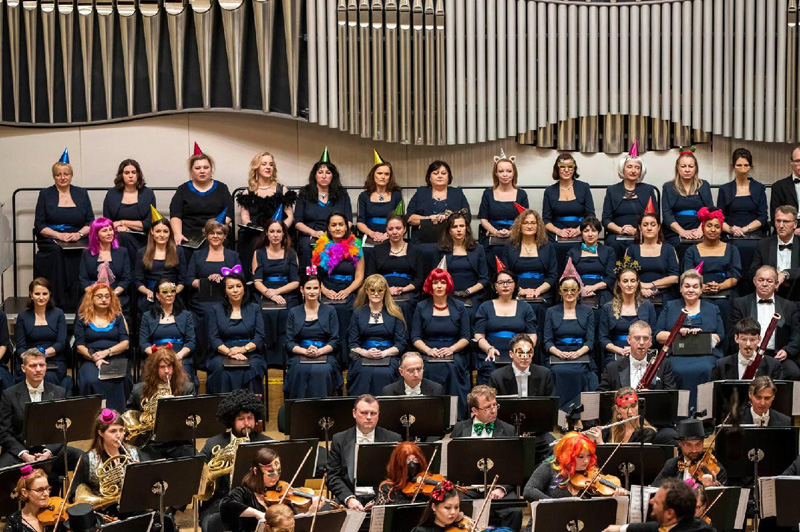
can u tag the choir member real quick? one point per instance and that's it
(465, 259)
(380, 198)
(657, 259)
(681, 199)
(160, 259)
(104, 248)
(594, 262)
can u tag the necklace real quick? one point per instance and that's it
(323, 195)
(375, 316)
(399, 251)
(528, 250)
(565, 189)
(264, 188)
(381, 197)
(437, 307)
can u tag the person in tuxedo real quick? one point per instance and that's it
(747, 336)
(782, 251)
(761, 306)
(785, 191)
(618, 374)
(341, 461)
(691, 436)
(522, 377)
(412, 383)
(762, 391)
(673, 508)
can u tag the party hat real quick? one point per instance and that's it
(377, 157)
(520, 208)
(399, 209)
(155, 215)
(634, 153)
(650, 209)
(571, 272)
(442, 264)
(278, 215)
(221, 218)
(699, 268)
(104, 274)
(64, 156)
(499, 264)
(197, 150)
(326, 158)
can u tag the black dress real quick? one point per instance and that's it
(195, 208)
(261, 210)
(15, 523)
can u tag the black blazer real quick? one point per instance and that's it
(295, 322)
(618, 374)
(783, 193)
(776, 419)
(606, 256)
(394, 327)
(12, 415)
(219, 321)
(540, 381)
(426, 387)
(787, 334)
(476, 258)
(380, 254)
(341, 460)
(463, 429)
(47, 205)
(113, 203)
(727, 368)
(670, 470)
(766, 254)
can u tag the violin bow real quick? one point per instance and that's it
(424, 476)
(600, 470)
(711, 445)
(66, 495)
(297, 472)
(485, 500)
(319, 502)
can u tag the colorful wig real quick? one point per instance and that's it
(567, 450)
(438, 274)
(94, 228)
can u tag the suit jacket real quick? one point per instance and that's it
(687, 525)
(540, 381)
(787, 334)
(341, 460)
(618, 374)
(463, 429)
(670, 470)
(783, 193)
(776, 419)
(727, 368)
(12, 415)
(427, 387)
(794, 469)
(766, 254)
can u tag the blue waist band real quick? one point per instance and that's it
(592, 276)
(622, 338)
(507, 223)
(378, 221)
(277, 279)
(369, 344)
(569, 340)
(531, 275)
(61, 228)
(442, 339)
(501, 334)
(397, 274)
(341, 277)
(309, 343)
(569, 219)
(239, 342)
(173, 341)
(688, 212)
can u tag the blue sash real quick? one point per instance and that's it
(578, 219)
(369, 344)
(688, 212)
(531, 275)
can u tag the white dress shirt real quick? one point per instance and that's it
(522, 380)
(784, 257)
(761, 421)
(413, 391)
(742, 365)
(362, 438)
(638, 367)
(765, 312)
(484, 433)
(35, 393)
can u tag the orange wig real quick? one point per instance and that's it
(397, 468)
(567, 451)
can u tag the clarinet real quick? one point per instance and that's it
(655, 363)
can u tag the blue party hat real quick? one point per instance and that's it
(278, 216)
(221, 218)
(64, 156)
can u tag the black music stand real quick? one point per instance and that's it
(736, 448)
(419, 416)
(662, 406)
(402, 518)
(722, 397)
(723, 512)
(159, 484)
(312, 418)
(475, 461)
(787, 511)
(139, 523)
(372, 458)
(329, 521)
(529, 414)
(290, 451)
(8, 481)
(572, 514)
(626, 461)
(61, 420)
(187, 418)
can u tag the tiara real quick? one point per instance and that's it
(627, 264)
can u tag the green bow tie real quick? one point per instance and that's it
(479, 427)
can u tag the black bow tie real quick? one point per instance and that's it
(784, 247)
(796, 179)
(765, 301)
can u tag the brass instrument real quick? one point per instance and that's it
(110, 475)
(220, 465)
(139, 425)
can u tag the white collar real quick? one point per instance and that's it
(638, 363)
(744, 361)
(408, 388)
(757, 418)
(368, 436)
(518, 372)
(39, 389)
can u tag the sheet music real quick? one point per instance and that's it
(622, 510)
(476, 509)
(443, 458)
(741, 509)
(683, 403)
(562, 418)
(376, 522)
(705, 399)
(354, 519)
(591, 405)
(453, 410)
(635, 513)
(769, 506)
(796, 398)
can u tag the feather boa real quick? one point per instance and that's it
(327, 254)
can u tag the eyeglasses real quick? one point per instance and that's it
(505, 282)
(216, 233)
(376, 291)
(39, 491)
(490, 408)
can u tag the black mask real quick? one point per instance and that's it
(413, 470)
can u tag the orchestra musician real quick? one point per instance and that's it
(625, 406)
(781, 251)
(747, 336)
(406, 464)
(522, 377)
(762, 391)
(240, 411)
(412, 382)
(692, 462)
(33, 493)
(443, 511)
(629, 370)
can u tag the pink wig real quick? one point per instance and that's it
(94, 228)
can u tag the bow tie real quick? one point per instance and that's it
(590, 249)
(796, 180)
(765, 301)
(784, 247)
(525, 374)
(744, 362)
(479, 427)
(639, 364)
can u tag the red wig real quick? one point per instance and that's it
(567, 451)
(438, 274)
(705, 215)
(397, 468)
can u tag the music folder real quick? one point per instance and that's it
(693, 345)
(116, 368)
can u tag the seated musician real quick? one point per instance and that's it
(412, 382)
(784, 345)
(762, 391)
(625, 406)
(406, 464)
(482, 401)
(628, 371)
(163, 377)
(279, 518)
(747, 336)
(33, 493)
(443, 511)
(522, 377)
(245, 505)
(239, 411)
(690, 464)
(98, 480)
(673, 507)
(560, 476)
(341, 460)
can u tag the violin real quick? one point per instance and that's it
(55, 508)
(596, 484)
(300, 498)
(707, 465)
(464, 523)
(428, 484)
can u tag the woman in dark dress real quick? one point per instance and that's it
(236, 331)
(104, 248)
(322, 196)
(594, 262)
(625, 202)
(498, 321)
(430, 202)
(400, 262)
(625, 406)
(681, 198)
(499, 208)
(101, 334)
(205, 275)
(44, 327)
(377, 332)
(721, 264)
(339, 262)
(33, 493)
(6, 355)
(441, 330)
(161, 259)
(406, 464)
(381, 197)
(197, 200)
(265, 199)
(658, 261)
(128, 205)
(565, 205)
(63, 214)
(443, 510)
(312, 331)
(465, 260)
(276, 278)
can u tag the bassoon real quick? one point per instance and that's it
(654, 365)
(750, 371)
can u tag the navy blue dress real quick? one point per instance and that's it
(467, 271)
(741, 211)
(501, 214)
(445, 331)
(596, 269)
(223, 330)
(195, 208)
(499, 330)
(276, 273)
(392, 332)
(340, 278)
(622, 210)
(120, 267)
(615, 330)
(180, 334)
(717, 269)
(149, 277)
(54, 334)
(566, 214)
(399, 270)
(692, 371)
(682, 209)
(116, 211)
(533, 272)
(60, 266)
(312, 380)
(6, 379)
(570, 335)
(423, 204)
(94, 338)
(655, 268)
(315, 214)
(374, 213)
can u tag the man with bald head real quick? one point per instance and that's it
(412, 383)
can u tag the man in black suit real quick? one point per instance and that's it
(748, 337)
(482, 401)
(760, 412)
(618, 374)
(785, 343)
(785, 191)
(342, 458)
(673, 508)
(412, 383)
(781, 251)
(690, 441)
(239, 411)
(522, 377)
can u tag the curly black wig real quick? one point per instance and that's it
(236, 402)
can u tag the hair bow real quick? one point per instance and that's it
(440, 491)
(704, 215)
(227, 271)
(153, 347)
(107, 416)
(25, 471)
(311, 270)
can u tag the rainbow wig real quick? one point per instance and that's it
(438, 274)
(567, 450)
(327, 254)
(94, 228)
